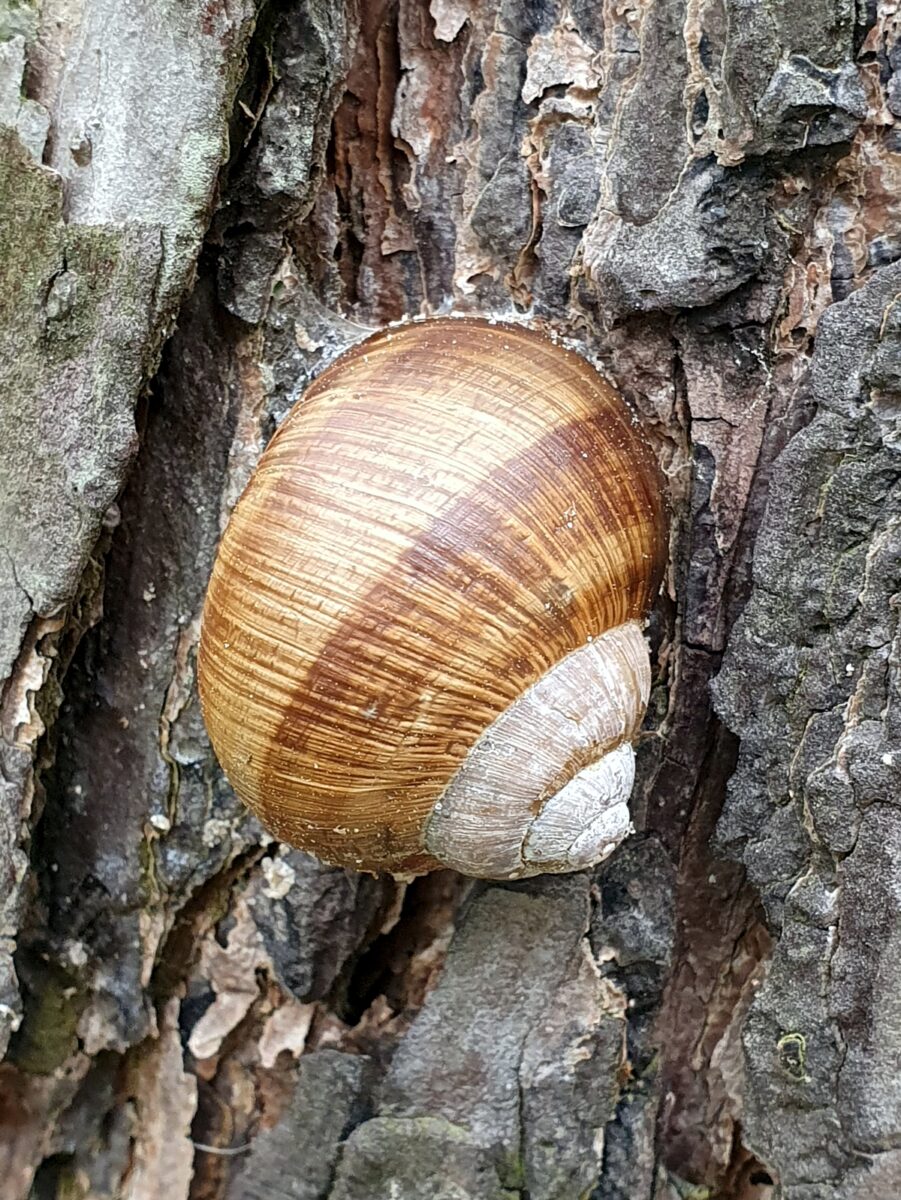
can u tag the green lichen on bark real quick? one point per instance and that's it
(48, 1033)
(18, 18)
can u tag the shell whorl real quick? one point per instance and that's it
(546, 787)
(453, 509)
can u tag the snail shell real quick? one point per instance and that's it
(422, 643)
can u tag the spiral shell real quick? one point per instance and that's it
(421, 643)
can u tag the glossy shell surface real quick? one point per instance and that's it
(452, 508)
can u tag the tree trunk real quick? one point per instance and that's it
(202, 203)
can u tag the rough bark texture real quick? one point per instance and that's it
(705, 196)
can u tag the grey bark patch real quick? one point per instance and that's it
(30, 120)
(632, 931)
(73, 369)
(311, 931)
(517, 1064)
(75, 330)
(572, 169)
(807, 683)
(94, 256)
(761, 82)
(779, 78)
(865, 997)
(156, 141)
(87, 282)
(244, 279)
(102, 859)
(278, 175)
(654, 150)
(15, 769)
(416, 1158)
(502, 215)
(706, 239)
(806, 105)
(296, 1159)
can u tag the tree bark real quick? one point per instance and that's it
(202, 203)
